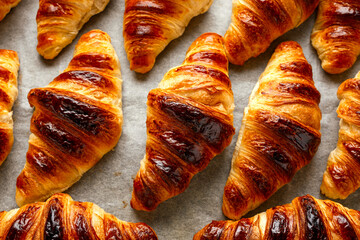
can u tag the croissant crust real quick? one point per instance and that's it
(5, 7)
(336, 34)
(150, 25)
(189, 121)
(256, 23)
(305, 218)
(9, 67)
(62, 218)
(279, 133)
(342, 175)
(59, 21)
(77, 119)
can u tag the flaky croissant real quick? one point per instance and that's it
(77, 119)
(279, 132)
(305, 218)
(62, 218)
(336, 34)
(256, 23)
(342, 175)
(9, 67)
(59, 21)
(149, 26)
(5, 7)
(189, 121)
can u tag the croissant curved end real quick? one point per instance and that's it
(340, 65)
(142, 64)
(7, 5)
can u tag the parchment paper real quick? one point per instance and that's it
(109, 183)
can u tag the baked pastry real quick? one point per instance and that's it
(279, 133)
(77, 119)
(336, 34)
(9, 67)
(149, 26)
(304, 218)
(5, 7)
(256, 23)
(62, 218)
(342, 175)
(189, 121)
(59, 21)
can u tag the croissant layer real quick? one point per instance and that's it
(189, 121)
(9, 67)
(336, 34)
(256, 23)
(62, 218)
(304, 218)
(5, 7)
(59, 21)
(149, 26)
(342, 175)
(77, 119)
(279, 133)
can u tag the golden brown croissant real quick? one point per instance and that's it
(149, 26)
(77, 119)
(256, 23)
(279, 132)
(342, 175)
(305, 218)
(5, 7)
(9, 67)
(189, 121)
(62, 218)
(59, 21)
(336, 34)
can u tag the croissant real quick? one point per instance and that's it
(59, 21)
(256, 23)
(336, 34)
(62, 218)
(305, 218)
(9, 67)
(77, 119)
(5, 7)
(149, 26)
(279, 133)
(342, 175)
(189, 121)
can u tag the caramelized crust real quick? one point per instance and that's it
(62, 218)
(256, 23)
(189, 122)
(305, 218)
(9, 67)
(336, 34)
(150, 25)
(342, 175)
(5, 7)
(279, 133)
(59, 21)
(77, 119)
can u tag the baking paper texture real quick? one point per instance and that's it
(109, 183)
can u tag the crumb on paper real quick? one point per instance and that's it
(116, 174)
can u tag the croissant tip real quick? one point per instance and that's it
(333, 70)
(142, 64)
(331, 192)
(95, 33)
